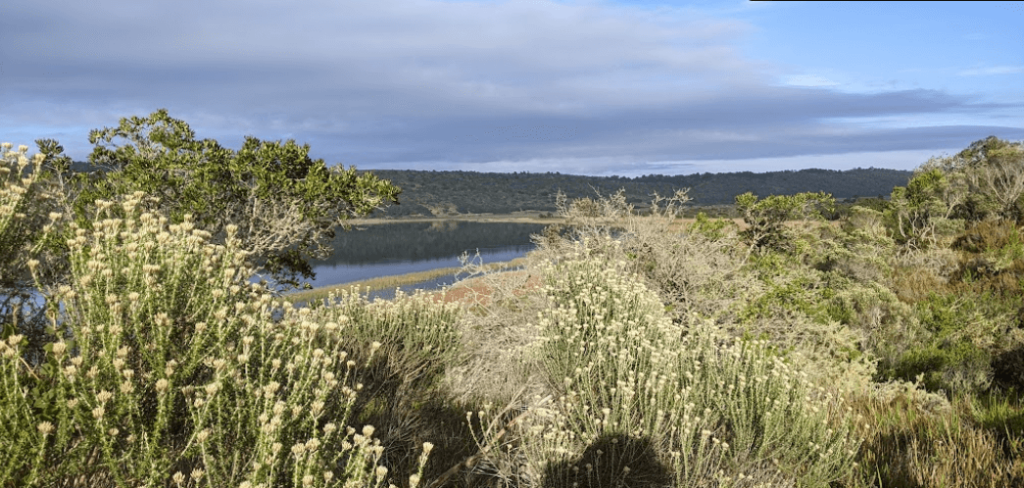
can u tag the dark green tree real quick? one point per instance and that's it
(285, 204)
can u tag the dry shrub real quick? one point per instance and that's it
(917, 274)
(985, 235)
(909, 443)
(704, 270)
(695, 268)
(503, 305)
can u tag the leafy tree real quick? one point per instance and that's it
(285, 204)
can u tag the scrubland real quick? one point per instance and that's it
(882, 351)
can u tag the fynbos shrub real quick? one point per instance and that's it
(640, 401)
(170, 370)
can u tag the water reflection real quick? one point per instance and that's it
(396, 249)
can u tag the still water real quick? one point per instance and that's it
(394, 249)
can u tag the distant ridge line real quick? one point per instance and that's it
(434, 192)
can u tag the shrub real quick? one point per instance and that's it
(697, 408)
(284, 205)
(961, 336)
(31, 218)
(170, 369)
(766, 217)
(908, 445)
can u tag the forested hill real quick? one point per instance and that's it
(448, 192)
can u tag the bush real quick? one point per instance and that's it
(284, 205)
(169, 368)
(31, 218)
(961, 336)
(909, 445)
(766, 218)
(697, 408)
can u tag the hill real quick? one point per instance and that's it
(450, 192)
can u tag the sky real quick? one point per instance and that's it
(591, 87)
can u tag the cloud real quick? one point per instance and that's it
(808, 80)
(993, 70)
(582, 86)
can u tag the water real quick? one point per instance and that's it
(395, 249)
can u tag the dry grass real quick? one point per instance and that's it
(909, 444)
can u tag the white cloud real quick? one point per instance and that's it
(993, 70)
(808, 81)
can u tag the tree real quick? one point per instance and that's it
(285, 204)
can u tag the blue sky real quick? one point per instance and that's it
(576, 86)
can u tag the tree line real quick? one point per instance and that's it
(440, 193)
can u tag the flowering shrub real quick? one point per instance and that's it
(30, 217)
(169, 369)
(712, 411)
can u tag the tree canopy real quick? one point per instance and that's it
(285, 204)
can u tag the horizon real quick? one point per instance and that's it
(582, 87)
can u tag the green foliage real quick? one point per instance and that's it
(800, 295)
(285, 204)
(958, 367)
(914, 210)
(965, 333)
(715, 229)
(766, 218)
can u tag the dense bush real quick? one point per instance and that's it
(170, 369)
(712, 411)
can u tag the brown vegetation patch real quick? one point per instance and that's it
(479, 290)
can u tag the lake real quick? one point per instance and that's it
(395, 249)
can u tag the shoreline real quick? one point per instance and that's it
(512, 218)
(389, 282)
